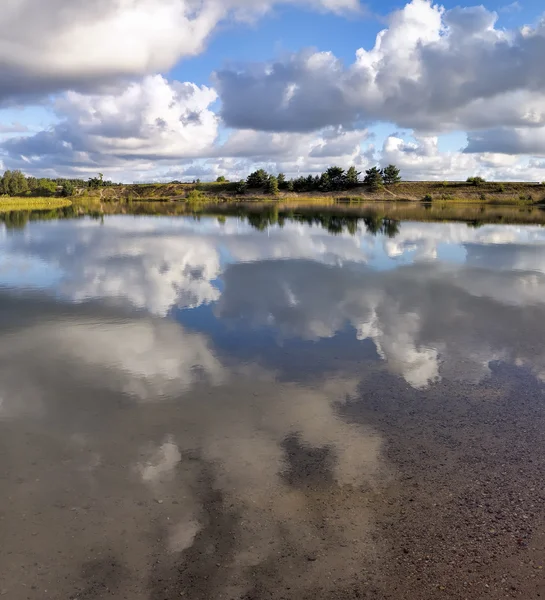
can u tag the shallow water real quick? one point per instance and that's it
(213, 409)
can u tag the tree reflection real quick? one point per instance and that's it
(260, 218)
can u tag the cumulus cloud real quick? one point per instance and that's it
(430, 70)
(515, 140)
(154, 122)
(149, 120)
(100, 41)
(422, 159)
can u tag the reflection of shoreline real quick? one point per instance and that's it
(336, 217)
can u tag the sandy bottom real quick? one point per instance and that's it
(381, 492)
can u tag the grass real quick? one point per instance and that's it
(452, 192)
(11, 204)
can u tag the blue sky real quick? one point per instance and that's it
(291, 29)
(148, 91)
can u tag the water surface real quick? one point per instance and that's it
(225, 408)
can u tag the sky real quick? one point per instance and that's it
(160, 90)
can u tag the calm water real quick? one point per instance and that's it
(213, 410)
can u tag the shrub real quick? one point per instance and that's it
(427, 198)
(241, 187)
(68, 189)
(195, 196)
(476, 180)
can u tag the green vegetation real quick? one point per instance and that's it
(272, 185)
(476, 180)
(391, 175)
(374, 179)
(335, 183)
(332, 180)
(18, 204)
(16, 184)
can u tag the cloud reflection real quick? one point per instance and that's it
(235, 431)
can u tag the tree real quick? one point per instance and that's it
(373, 178)
(272, 185)
(281, 181)
(352, 177)
(6, 183)
(476, 180)
(391, 175)
(94, 183)
(68, 189)
(221, 179)
(257, 179)
(46, 187)
(325, 182)
(19, 183)
(32, 183)
(241, 187)
(336, 178)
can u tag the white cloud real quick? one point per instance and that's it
(100, 41)
(155, 122)
(422, 159)
(149, 120)
(430, 70)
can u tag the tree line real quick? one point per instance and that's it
(16, 183)
(334, 179)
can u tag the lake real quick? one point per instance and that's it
(248, 408)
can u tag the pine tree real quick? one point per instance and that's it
(271, 186)
(352, 177)
(257, 179)
(391, 175)
(325, 182)
(373, 178)
(336, 177)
